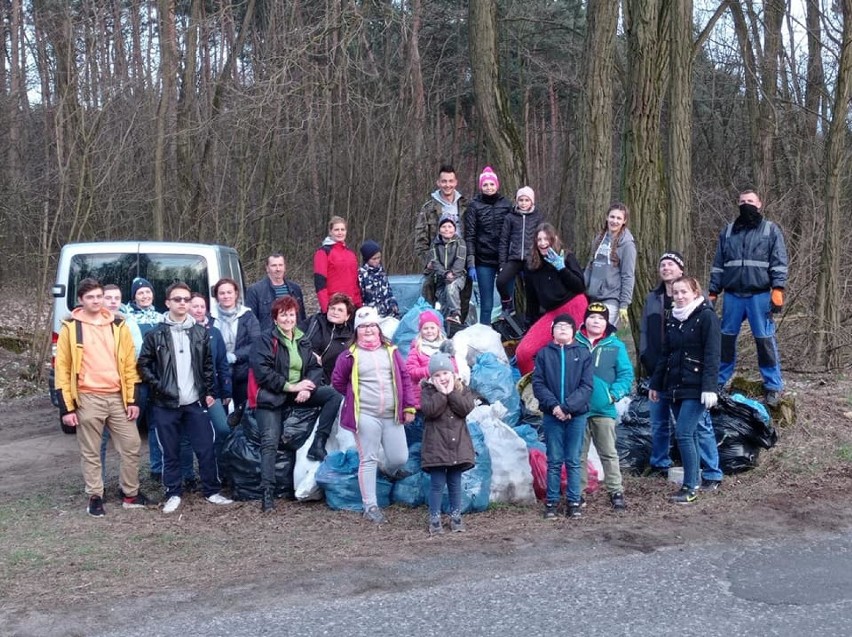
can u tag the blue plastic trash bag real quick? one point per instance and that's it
(476, 482)
(409, 491)
(493, 380)
(414, 430)
(529, 434)
(409, 325)
(338, 477)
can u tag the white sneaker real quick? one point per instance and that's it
(171, 504)
(218, 498)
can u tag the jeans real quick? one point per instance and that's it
(688, 413)
(756, 309)
(438, 478)
(564, 441)
(708, 450)
(486, 275)
(193, 420)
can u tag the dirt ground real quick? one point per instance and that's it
(50, 546)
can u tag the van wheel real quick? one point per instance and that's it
(67, 429)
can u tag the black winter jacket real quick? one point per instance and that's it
(261, 296)
(564, 376)
(157, 364)
(750, 261)
(548, 288)
(652, 329)
(518, 234)
(483, 225)
(689, 360)
(328, 340)
(271, 366)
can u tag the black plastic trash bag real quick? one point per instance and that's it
(297, 427)
(633, 436)
(240, 462)
(742, 427)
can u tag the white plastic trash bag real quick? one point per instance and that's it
(305, 472)
(473, 341)
(511, 474)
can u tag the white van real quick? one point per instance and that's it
(198, 265)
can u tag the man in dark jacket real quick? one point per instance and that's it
(750, 265)
(261, 295)
(176, 361)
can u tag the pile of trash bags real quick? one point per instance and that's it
(742, 426)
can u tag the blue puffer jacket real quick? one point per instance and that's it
(613, 372)
(563, 376)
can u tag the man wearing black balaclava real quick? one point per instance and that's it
(751, 267)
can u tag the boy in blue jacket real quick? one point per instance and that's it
(562, 384)
(613, 380)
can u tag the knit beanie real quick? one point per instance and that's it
(563, 318)
(677, 257)
(428, 316)
(139, 283)
(597, 308)
(445, 218)
(366, 315)
(488, 174)
(526, 191)
(369, 249)
(440, 362)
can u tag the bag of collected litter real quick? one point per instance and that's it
(476, 482)
(633, 435)
(538, 465)
(470, 342)
(493, 380)
(305, 473)
(409, 491)
(529, 434)
(511, 477)
(414, 430)
(409, 325)
(240, 462)
(337, 475)
(297, 426)
(742, 427)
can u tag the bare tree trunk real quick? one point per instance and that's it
(594, 188)
(646, 23)
(16, 93)
(503, 142)
(167, 78)
(829, 281)
(418, 97)
(679, 229)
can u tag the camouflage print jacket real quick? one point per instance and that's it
(426, 227)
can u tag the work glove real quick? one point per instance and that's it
(776, 300)
(471, 272)
(622, 317)
(555, 260)
(709, 399)
(711, 298)
(231, 358)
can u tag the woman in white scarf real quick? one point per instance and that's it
(687, 369)
(240, 328)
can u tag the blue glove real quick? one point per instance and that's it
(555, 260)
(471, 272)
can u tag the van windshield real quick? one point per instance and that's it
(160, 269)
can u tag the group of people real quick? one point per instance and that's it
(186, 368)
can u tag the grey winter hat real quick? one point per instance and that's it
(440, 362)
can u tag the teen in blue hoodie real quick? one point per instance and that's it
(562, 383)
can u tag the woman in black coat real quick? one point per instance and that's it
(288, 375)
(687, 370)
(331, 332)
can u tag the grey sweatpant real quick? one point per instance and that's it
(374, 434)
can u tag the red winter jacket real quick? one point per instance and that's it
(336, 270)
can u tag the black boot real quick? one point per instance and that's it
(317, 451)
(268, 501)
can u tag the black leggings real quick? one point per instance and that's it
(507, 277)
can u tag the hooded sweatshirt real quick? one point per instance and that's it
(98, 371)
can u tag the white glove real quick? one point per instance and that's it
(709, 399)
(231, 358)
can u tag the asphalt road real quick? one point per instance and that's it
(797, 587)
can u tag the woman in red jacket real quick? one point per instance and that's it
(336, 266)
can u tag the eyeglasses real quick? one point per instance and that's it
(181, 299)
(371, 326)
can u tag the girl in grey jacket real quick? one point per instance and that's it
(610, 272)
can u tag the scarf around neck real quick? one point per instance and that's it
(228, 320)
(683, 313)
